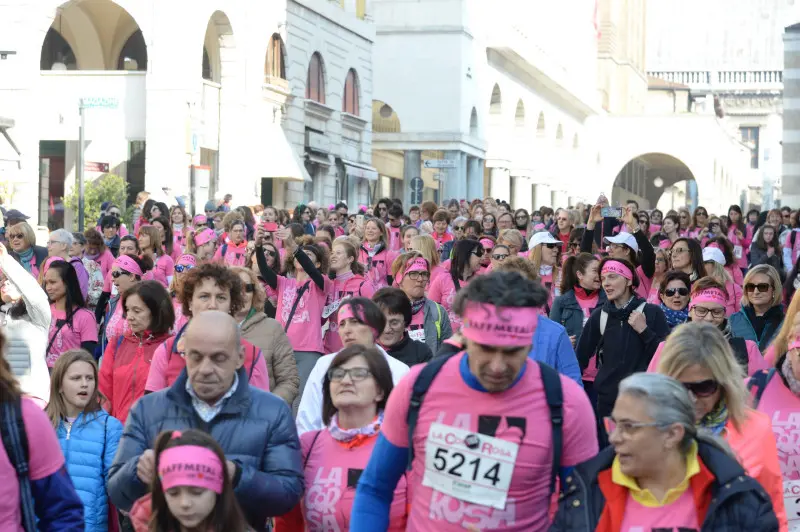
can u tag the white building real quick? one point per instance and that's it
(203, 83)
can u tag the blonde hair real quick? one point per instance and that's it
(535, 256)
(230, 218)
(774, 279)
(427, 247)
(781, 341)
(400, 262)
(259, 294)
(721, 274)
(704, 345)
(520, 265)
(506, 235)
(155, 239)
(28, 234)
(57, 408)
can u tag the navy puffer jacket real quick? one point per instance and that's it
(737, 501)
(255, 429)
(89, 448)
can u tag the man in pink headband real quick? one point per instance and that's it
(491, 403)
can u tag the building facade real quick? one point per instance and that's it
(199, 109)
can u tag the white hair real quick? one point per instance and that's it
(63, 236)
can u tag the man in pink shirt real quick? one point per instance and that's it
(484, 432)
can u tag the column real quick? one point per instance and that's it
(455, 179)
(522, 197)
(474, 178)
(412, 167)
(790, 193)
(501, 184)
(541, 196)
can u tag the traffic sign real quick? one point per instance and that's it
(439, 163)
(417, 184)
(99, 101)
(416, 197)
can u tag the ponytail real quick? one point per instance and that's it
(570, 269)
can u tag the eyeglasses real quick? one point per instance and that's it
(670, 292)
(15, 236)
(574, 245)
(250, 288)
(417, 276)
(180, 268)
(702, 312)
(458, 228)
(676, 251)
(119, 273)
(551, 245)
(521, 217)
(500, 256)
(115, 214)
(702, 388)
(477, 252)
(761, 287)
(562, 219)
(626, 428)
(356, 374)
(701, 213)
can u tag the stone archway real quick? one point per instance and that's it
(649, 177)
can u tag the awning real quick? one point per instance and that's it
(9, 153)
(278, 159)
(318, 158)
(362, 170)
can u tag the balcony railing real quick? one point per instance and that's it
(724, 79)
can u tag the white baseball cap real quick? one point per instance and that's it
(711, 254)
(542, 237)
(626, 239)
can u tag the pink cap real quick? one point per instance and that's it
(709, 295)
(613, 266)
(418, 264)
(190, 465)
(187, 260)
(204, 237)
(126, 263)
(488, 324)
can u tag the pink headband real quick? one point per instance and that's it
(416, 265)
(200, 219)
(124, 262)
(187, 260)
(346, 311)
(709, 295)
(486, 243)
(190, 465)
(487, 324)
(617, 267)
(49, 262)
(204, 237)
(714, 245)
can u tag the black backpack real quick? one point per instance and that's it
(552, 390)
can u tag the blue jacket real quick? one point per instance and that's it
(255, 429)
(551, 345)
(568, 312)
(89, 449)
(742, 327)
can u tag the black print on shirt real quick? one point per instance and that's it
(352, 477)
(487, 425)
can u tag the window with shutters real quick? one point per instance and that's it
(315, 85)
(350, 102)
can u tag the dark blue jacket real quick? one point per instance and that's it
(568, 313)
(742, 327)
(255, 429)
(738, 502)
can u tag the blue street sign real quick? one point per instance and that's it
(417, 184)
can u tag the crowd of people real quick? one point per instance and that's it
(463, 366)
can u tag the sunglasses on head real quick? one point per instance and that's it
(119, 273)
(702, 388)
(670, 292)
(761, 287)
(180, 268)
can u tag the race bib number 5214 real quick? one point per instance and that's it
(468, 466)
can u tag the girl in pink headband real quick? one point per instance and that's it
(191, 465)
(203, 244)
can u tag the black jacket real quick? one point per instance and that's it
(624, 351)
(410, 352)
(39, 252)
(738, 502)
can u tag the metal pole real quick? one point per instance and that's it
(81, 163)
(192, 198)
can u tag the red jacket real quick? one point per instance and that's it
(124, 369)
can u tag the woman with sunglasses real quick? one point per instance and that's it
(126, 272)
(761, 314)
(430, 322)
(22, 247)
(684, 221)
(544, 250)
(698, 356)
(465, 265)
(699, 222)
(186, 262)
(673, 296)
(661, 472)
(348, 281)
(656, 219)
(489, 225)
(522, 221)
(499, 253)
(707, 304)
(644, 223)
(686, 256)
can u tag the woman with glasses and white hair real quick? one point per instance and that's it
(59, 245)
(661, 472)
(699, 357)
(761, 315)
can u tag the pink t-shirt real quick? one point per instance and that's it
(234, 255)
(83, 329)
(377, 267)
(755, 361)
(106, 262)
(740, 245)
(352, 286)
(679, 515)
(416, 329)
(653, 295)
(331, 472)
(643, 290)
(518, 416)
(164, 268)
(783, 407)
(395, 240)
(305, 331)
(45, 459)
(587, 305)
(180, 319)
(443, 291)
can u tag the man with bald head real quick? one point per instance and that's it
(254, 427)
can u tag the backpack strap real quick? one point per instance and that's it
(438, 322)
(421, 385)
(739, 346)
(310, 448)
(555, 402)
(256, 356)
(297, 299)
(224, 250)
(15, 442)
(759, 381)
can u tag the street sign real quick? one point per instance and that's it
(417, 184)
(90, 166)
(99, 101)
(439, 163)
(438, 177)
(416, 197)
